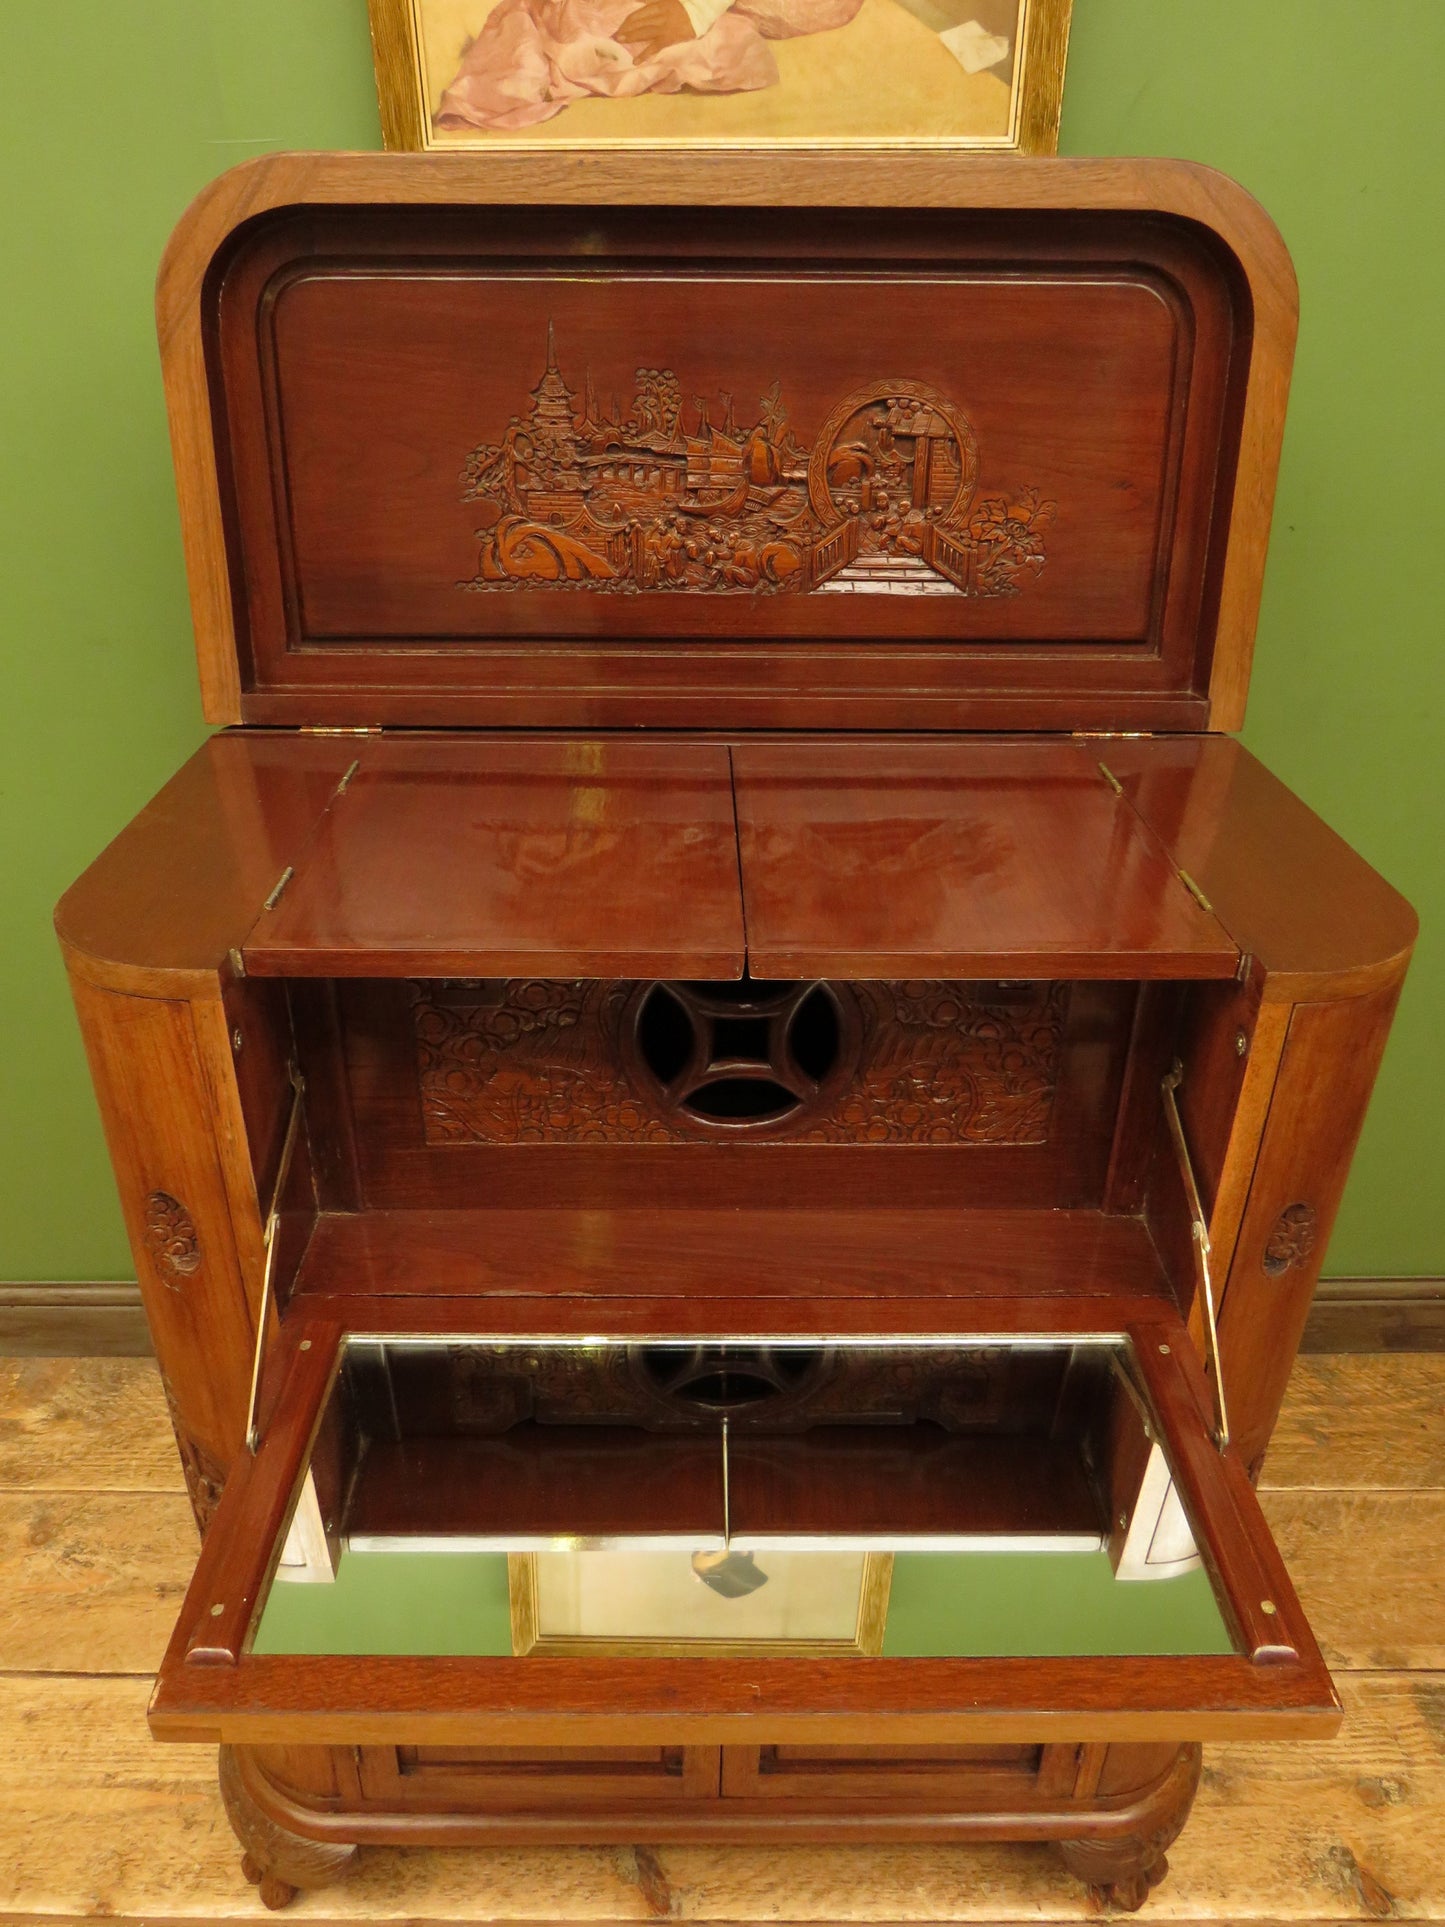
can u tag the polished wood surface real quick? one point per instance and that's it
(540, 1482)
(187, 879)
(183, 882)
(1003, 858)
(99, 1530)
(548, 859)
(1192, 446)
(1290, 891)
(596, 1482)
(724, 1255)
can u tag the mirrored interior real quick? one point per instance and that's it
(913, 1498)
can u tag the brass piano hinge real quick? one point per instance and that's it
(268, 1239)
(1194, 890)
(340, 729)
(280, 884)
(1111, 779)
(1199, 1226)
(352, 767)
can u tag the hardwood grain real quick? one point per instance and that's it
(160, 907)
(729, 1254)
(1005, 860)
(90, 1582)
(562, 859)
(85, 1425)
(1368, 1566)
(1291, 892)
(1217, 427)
(1327, 1071)
(1367, 1423)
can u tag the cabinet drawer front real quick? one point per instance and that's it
(535, 1779)
(823, 1774)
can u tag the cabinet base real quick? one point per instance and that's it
(300, 1814)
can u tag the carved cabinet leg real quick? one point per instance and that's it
(276, 1862)
(1122, 1862)
(1118, 1875)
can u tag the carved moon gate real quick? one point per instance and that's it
(740, 1058)
(908, 398)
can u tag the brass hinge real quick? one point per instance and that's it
(1194, 890)
(1199, 1226)
(268, 1238)
(340, 729)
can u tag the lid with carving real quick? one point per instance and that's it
(706, 443)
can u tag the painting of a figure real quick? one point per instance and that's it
(980, 73)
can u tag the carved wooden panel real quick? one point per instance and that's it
(1292, 1239)
(205, 1476)
(529, 1062)
(171, 1238)
(663, 496)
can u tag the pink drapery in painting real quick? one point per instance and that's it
(533, 57)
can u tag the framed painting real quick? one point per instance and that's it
(720, 1604)
(985, 75)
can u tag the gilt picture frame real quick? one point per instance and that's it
(780, 1604)
(487, 75)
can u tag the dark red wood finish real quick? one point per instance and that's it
(549, 859)
(906, 447)
(1094, 361)
(950, 859)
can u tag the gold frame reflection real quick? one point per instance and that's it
(528, 1636)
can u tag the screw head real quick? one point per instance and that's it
(1165, 1350)
(305, 1345)
(216, 1611)
(237, 1040)
(1241, 1043)
(1268, 1606)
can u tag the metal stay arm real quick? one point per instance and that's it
(273, 1225)
(1174, 1077)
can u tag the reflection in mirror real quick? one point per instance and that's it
(909, 1497)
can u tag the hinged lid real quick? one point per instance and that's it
(842, 442)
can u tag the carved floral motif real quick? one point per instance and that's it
(205, 1476)
(938, 1067)
(883, 501)
(1292, 1239)
(171, 1239)
(528, 1062)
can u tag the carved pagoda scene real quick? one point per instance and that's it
(684, 494)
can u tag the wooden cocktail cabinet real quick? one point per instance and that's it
(727, 1087)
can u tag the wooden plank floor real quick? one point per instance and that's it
(99, 1823)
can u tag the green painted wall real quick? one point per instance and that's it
(113, 117)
